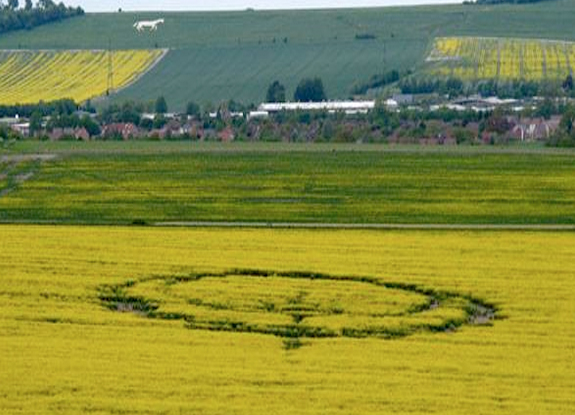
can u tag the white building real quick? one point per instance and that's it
(349, 107)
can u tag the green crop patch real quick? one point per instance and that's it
(184, 183)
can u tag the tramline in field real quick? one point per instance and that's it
(33, 76)
(475, 58)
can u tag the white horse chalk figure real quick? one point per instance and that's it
(152, 25)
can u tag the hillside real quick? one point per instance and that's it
(225, 55)
(30, 77)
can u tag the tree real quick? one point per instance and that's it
(546, 109)
(90, 125)
(28, 5)
(564, 136)
(276, 92)
(35, 122)
(161, 105)
(568, 120)
(13, 4)
(568, 83)
(45, 4)
(498, 122)
(192, 109)
(159, 121)
(310, 90)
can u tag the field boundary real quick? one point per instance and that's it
(374, 226)
(76, 50)
(160, 58)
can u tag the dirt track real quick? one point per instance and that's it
(17, 158)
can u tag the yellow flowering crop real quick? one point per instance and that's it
(471, 58)
(63, 351)
(33, 76)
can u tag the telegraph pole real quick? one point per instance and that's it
(110, 86)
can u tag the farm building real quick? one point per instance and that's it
(348, 107)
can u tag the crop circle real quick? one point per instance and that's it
(296, 305)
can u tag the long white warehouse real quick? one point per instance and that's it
(343, 106)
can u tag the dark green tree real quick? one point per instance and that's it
(276, 92)
(192, 109)
(160, 121)
(90, 125)
(568, 120)
(310, 90)
(13, 4)
(35, 122)
(568, 83)
(546, 109)
(161, 106)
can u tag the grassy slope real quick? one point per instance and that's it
(260, 184)
(232, 55)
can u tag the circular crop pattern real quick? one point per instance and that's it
(296, 305)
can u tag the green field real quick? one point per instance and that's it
(325, 184)
(229, 55)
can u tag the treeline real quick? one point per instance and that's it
(409, 84)
(505, 1)
(377, 81)
(30, 15)
(516, 89)
(308, 90)
(413, 85)
(60, 107)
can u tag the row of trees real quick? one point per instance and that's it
(132, 112)
(64, 121)
(60, 107)
(504, 89)
(14, 17)
(312, 90)
(376, 81)
(308, 90)
(504, 1)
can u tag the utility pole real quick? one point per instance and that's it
(384, 55)
(110, 86)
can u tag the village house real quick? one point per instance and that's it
(22, 129)
(61, 133)
(123, 130)
(535, 129)
(172, 129)
(227, 135)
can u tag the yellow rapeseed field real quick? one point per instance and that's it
(64, 351)
(472, 58)
(33, 76)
